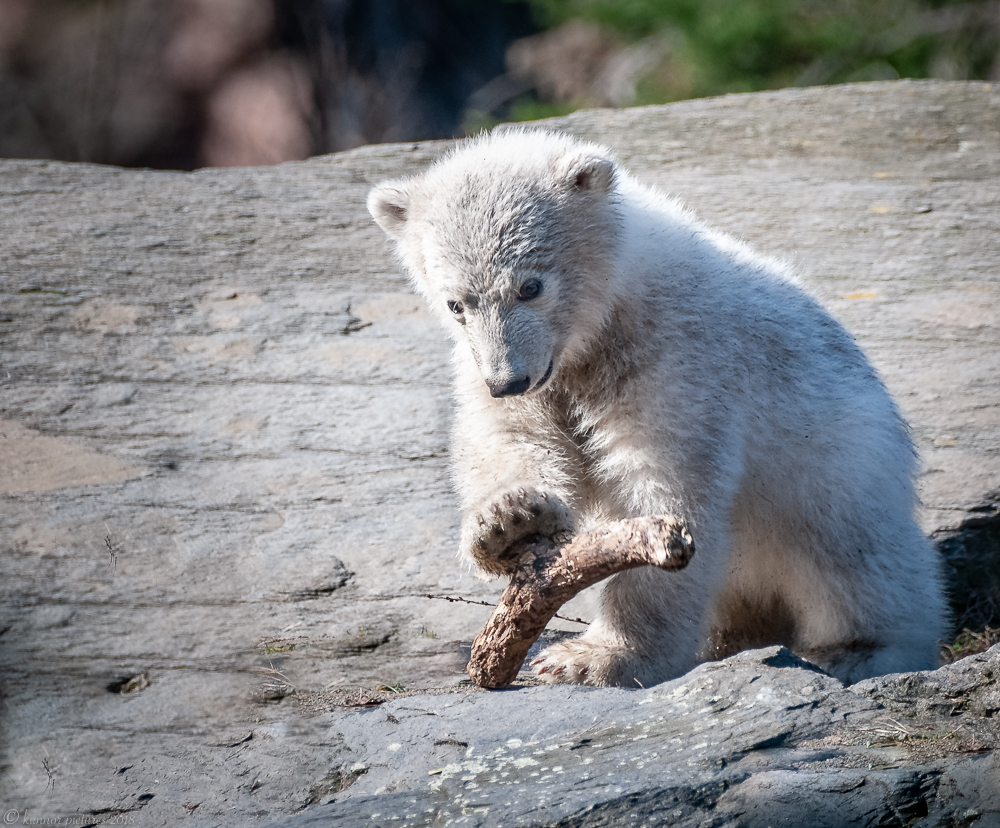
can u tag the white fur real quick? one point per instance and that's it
(690, 376)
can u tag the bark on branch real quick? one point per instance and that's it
(551, 574)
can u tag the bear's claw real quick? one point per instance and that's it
(491, 531)
(581, 661)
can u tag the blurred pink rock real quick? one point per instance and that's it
(212, 35)
(258, 115)
(13, 21)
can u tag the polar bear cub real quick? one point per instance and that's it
(615, 357)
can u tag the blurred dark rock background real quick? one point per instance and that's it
(188, 83)
(180, 84)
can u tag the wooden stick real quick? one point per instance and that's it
(552, 574)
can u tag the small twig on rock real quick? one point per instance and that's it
(112, 545)
(50, 772)
(551, 574)
(457, 599)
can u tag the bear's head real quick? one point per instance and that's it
(511, 240)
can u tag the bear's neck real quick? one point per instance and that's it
(609, 359)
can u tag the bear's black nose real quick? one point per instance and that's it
(510, 389)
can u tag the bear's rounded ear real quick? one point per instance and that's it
(589, 171)
(389, 205)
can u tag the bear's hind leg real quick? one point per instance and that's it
(884, 613)
(852, 661)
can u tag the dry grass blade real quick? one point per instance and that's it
(968, 642)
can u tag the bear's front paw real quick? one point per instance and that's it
(491, 531)
(584, 661)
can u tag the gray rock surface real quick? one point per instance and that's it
(223, 486)
(759, 739)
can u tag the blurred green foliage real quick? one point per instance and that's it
(720, 46)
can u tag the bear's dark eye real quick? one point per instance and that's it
(531, 289)
(456, 308)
